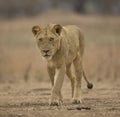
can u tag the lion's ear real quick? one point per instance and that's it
(57, 29)
(35, 29)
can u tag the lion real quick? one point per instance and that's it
(62, 46)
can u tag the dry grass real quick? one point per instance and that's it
(20, 58)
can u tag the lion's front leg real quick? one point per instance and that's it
(51, 72)
(56, 97)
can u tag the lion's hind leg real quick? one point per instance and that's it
(71, 77)
(78, 72)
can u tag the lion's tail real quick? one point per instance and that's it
(89, 85)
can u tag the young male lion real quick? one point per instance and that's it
(62, 46)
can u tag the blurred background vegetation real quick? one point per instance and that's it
(20, 58)
(17, 8)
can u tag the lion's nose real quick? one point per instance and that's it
(45, 51)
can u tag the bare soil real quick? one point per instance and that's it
(31, 100)
(20, 62)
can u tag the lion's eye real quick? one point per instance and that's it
(51, 39)
(40, 39)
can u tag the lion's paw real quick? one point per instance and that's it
(76, 101)
(55, 102)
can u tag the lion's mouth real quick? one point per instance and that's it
(46, 55)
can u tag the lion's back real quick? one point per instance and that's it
(75, 41)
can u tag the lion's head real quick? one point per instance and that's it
(48, 39)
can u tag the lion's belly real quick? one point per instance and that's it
(72, 52)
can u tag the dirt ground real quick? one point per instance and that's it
(31, 100)
(24, 86)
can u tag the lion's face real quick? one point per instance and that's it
(48, 39)
(48, 44)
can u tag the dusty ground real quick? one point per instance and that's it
(20, 62)
(31, 100)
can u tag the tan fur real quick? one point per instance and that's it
(66, 47)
